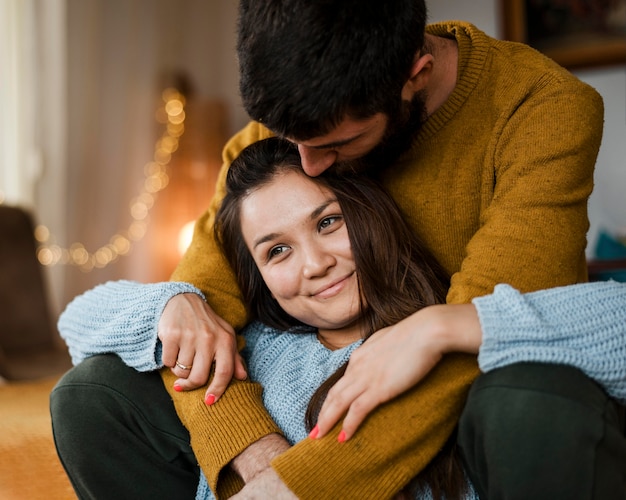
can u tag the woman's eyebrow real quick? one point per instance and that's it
(316, 213)
(265, 239)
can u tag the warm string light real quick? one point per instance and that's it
(172, 115)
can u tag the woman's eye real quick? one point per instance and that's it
(329, 221)
(276, 251)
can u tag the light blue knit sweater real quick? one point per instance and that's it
(582, 325)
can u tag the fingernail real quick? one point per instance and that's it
(178, 388)
(210, 399)
(314, 432)
(341, 437)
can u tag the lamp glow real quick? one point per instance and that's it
(185, 236)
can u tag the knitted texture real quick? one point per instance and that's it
(119, 317)
(290, 367)
(582, 326)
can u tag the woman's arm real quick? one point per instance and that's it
(120, 317)
(583, 326)
(396, 359)
(579, 325)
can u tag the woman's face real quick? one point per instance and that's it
(298, 238)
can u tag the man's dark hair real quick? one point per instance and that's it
(305, 65)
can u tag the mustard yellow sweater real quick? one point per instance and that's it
(497, 185)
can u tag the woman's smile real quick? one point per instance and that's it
(332, 289)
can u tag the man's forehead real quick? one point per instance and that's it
(313, 143)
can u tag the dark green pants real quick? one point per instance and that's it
(538, 431)
(118, 436)
(529, 431)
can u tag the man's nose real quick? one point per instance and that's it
(316, 161)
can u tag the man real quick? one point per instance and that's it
(489, 149)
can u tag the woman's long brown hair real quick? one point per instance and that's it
(396, 272)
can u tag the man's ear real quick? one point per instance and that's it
(419, 76)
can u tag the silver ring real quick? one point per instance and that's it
(183, 367)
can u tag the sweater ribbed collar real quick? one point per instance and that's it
(473, 47)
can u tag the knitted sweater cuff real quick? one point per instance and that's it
(581, 326)
(223, 430)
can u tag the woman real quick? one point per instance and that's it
(330, 261)
(329, 253)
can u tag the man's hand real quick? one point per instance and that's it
(265, 485)
(257, 457)
(396, 358)
(253, 465)
(194, 336)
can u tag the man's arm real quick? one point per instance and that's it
(258, 456)
(223, 431)
(533, 229)
(391, 445)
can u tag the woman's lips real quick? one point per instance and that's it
(332, 289)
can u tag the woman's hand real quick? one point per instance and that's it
(396, 358)
(194, 337)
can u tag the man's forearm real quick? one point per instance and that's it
(221, 432)
(257, 457)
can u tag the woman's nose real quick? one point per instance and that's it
(316, 161)
(317, 262)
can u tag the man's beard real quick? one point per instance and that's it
(402, 126)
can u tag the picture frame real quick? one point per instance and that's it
(574, 33)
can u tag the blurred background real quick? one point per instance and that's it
(114, 113)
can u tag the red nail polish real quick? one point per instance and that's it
(178, 388)
(314, 432)
(210, 399)
(341, 437)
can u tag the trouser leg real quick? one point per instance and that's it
(543, 431)
(118, 435)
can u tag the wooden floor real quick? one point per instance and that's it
(29, 466)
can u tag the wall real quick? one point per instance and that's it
(121, 55)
